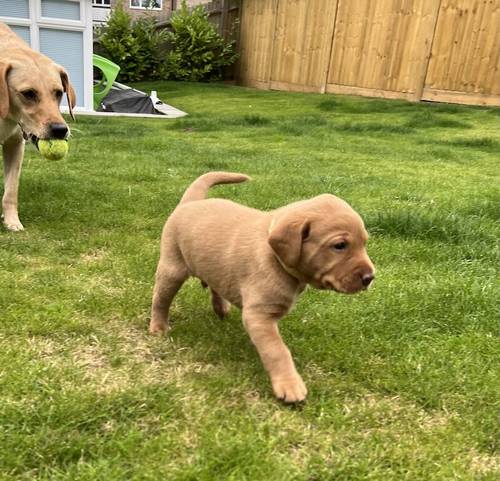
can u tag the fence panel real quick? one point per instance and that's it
(381, 48)
(302, 44)
(465, 61)
(258, 20)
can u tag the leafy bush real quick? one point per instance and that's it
(198, 52)
(193, 50)
(137, 47)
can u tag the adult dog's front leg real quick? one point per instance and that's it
(263, 331)
(13, 151)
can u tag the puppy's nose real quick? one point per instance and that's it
(366, 279)
(58, 131)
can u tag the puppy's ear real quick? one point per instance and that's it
(4, 90)
(286, 238)
(70, 92)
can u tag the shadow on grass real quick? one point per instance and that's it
(485, 144)
(112, 128)
(428, 119)
(372, 127)
(481, 143)
(222, 342)
(436, 154)
(451, 228)
(418, 120)
(294, 126)
(204, 124)
(301, 125)
(353, 105)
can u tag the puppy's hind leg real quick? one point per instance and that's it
(221, 306)
(170, 275)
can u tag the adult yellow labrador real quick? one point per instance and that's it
(31, 89)
(260, 262)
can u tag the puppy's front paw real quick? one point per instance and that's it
(290, 390)
(158, 327)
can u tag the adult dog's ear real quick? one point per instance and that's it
(286, 237)
(4, 90)
(70, 92)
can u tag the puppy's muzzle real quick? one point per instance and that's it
(348, 285)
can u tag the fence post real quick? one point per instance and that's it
(329, 56)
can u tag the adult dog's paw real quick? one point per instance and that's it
(290, 390)
(14, 225)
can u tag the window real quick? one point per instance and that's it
(101, 3)
(19, 9)
(151, 4)
(62, 9)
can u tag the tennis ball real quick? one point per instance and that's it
(53, 149)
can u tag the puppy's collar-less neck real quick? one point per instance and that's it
(290, 271)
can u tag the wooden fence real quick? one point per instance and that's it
(224, 15)
(441, 50)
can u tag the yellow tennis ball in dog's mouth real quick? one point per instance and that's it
(53, 149)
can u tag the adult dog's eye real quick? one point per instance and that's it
(339, 246)
(29, 95)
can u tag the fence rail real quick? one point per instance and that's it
(441, 50)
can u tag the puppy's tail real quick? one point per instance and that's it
(199, 188)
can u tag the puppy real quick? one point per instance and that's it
(31, 89)
(260, 262)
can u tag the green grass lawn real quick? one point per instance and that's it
(403, 380)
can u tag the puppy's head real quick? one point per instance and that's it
(322, 242)
(31, 90)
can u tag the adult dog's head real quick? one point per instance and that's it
(322, 241)
(31, 89)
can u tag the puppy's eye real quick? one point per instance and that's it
(29, 95)
(339, 246)
(58, 94)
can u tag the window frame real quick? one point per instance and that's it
(156, 9)
(101, 3)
